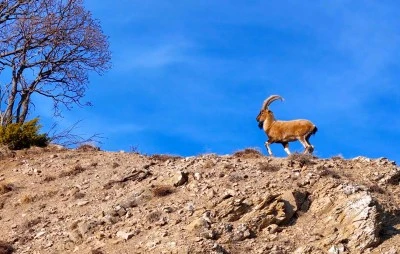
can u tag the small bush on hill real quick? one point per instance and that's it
(5, 187)
(265, 166)
(19, 136)
(164, 157)
(6, 248)
(248, 153)
(88, 148)
(302, 159)
(162, 190)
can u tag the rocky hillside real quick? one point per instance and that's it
(55, 200)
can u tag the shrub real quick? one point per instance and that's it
(154, 216)
(23, 135)
(73, 171)
(302, 159)
(5, 187)
(164, 157)
(88, 148)
(162, 190)
(248, 153)
(6, 248)
(328, 172)
(265, 166)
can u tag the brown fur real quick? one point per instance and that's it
(288, 131)
(284, 132)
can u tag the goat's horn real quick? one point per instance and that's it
(270, 99)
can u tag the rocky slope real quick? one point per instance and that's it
(55, 200)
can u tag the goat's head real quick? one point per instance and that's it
(265, 112)
(262, 116)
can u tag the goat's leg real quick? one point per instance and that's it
(305, 144)
(268, 148)
(286, 147)
(310, 147)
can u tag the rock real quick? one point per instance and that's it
(209, 234)
(120, 210)
(392, 178)
(82, 203)
(190, 207)
(129, 203)
(293, 201)
(84, 228)
(350, 189)
(75, 236)
(352, 219)
(124, 235)
(41, 233)
(337, 249)
(241, 233)
(219, 249)
(180, 178)
(198, 224)
(229, 210)
(6, 248)
(168, 209)
(109, 219)
(197, 176)
(162, 222)
(272, 229)
(151, 245)
(228, 194)
(210, 193)
(48, 244)
(274, 209)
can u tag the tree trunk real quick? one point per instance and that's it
(8, 115)
(24, 105)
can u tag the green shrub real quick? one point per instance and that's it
(18, 136)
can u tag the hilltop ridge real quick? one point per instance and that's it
(56, 200)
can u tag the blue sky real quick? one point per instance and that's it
(189, 77)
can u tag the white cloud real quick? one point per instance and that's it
(154, 55)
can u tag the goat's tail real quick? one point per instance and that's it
(314, 130)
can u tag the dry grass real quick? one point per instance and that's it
(208, 164)
(265, 166)
(6, 248)
(50, 194)
(73, 171)
(338, 157)
(88, 148)
(49, 178)
(229, 166)
(376, 188)
(235, 178)
(97, 251)
(164, 157)
(163, 190)
(6, 187)
(154, 216)
(248, 153)
(27, 198)
(328, 172)
(302, 159)
(27, 225)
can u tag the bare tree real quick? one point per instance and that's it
(10, 9)
(68, 138)
(48, 48)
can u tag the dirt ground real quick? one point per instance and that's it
(55, 200)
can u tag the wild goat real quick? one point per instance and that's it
(284, 132)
